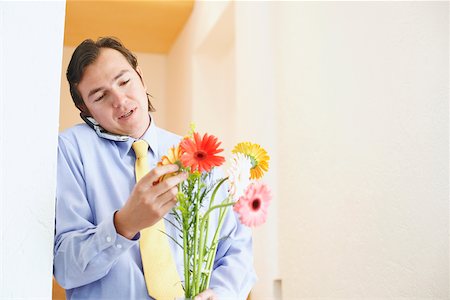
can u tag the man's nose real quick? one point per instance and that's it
(118, 98)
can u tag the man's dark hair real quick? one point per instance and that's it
(87, 53)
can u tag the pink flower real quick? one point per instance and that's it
(252, 206)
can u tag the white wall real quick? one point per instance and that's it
(31, 38)
(362, 91)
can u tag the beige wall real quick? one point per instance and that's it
(68, 113)
(186, 61)
(223, 85)
(362, 91)
(351, 100)
(154, 69)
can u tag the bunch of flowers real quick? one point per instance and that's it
(198, 156)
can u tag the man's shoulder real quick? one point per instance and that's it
(77, 132)
(163, 133)
(80, 137)
(166, 140)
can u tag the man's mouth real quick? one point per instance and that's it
(127, 114)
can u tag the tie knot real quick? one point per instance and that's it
(140, 148)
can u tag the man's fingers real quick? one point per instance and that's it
(157, 172)
(206, 295)
(168, 199)
(169, 183)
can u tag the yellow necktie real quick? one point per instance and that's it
(161, 276)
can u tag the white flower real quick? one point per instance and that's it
(239, 175)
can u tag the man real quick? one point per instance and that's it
(100, 209)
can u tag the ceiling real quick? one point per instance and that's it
(143, 26)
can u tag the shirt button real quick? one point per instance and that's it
(108, 239)
(119, 246)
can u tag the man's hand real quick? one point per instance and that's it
(206, 295)
(148, 203)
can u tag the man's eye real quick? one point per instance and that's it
(99, 98)
(125, 82)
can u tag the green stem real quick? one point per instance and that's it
(205, 227)
(213, 196)
(185, 230)
(201, 255)
(186, 261)
(206, 230)
(222, 205)
(196, 244)
(194, 252)
(212, 254)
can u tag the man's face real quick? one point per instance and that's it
(115, 94)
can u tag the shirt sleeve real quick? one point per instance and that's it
(83, 251)
(233, 273)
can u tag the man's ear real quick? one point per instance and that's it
(139, 71)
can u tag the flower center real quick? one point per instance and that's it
(256, 204)
(200, 155)
(253, 161)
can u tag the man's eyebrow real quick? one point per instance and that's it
(92, 92)
(120, 74)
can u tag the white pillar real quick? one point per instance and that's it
(31, 41)
(256, 120)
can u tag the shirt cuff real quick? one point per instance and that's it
(109, 238)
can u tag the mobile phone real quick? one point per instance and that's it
(101, 132)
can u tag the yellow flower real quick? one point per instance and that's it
(173, 157)
(258, 156)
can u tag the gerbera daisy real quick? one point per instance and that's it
(258, 156)
(239, 175)
(252, 207)
(173, 157)
(199, 153)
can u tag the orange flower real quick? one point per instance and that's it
(200, 153)
(173, 157)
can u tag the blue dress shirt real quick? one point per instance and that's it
(91, 260)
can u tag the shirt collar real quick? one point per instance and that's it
(150, 136)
